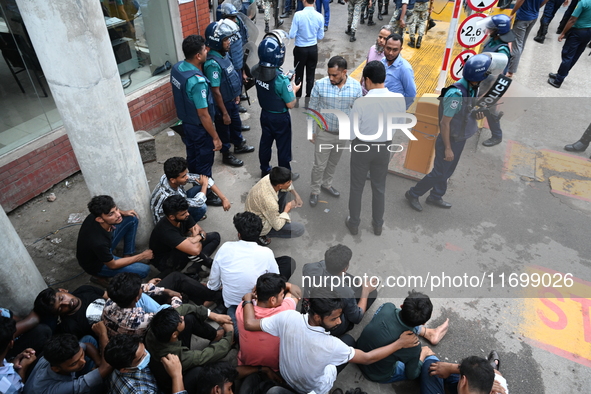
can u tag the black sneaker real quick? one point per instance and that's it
(264, 240)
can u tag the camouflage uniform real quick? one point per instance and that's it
(420, 19)
(266, 4)
(354, 8)
(370, 9)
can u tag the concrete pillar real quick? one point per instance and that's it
(20, 279)
(75, 52)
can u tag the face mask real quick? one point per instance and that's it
(145, 361)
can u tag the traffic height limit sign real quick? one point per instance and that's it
(481, 5)
(457, 66)
(469, 34)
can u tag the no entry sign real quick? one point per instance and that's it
(457, 66)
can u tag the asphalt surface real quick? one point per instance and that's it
(517, 208)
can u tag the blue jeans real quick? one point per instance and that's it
(550, 9)
(196, 212)
(326, 5)
(137, 268)
(575, 44)
(88, 339)
(433, 384)
(436, 180)
(125, 230)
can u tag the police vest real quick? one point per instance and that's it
(243, 32)
(230, 85)
(236, 51)
(185, 108)
(268, 98)
(463, 125)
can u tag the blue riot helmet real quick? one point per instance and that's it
(498, 25)
(216, 32)
(476, 67)
(272, 49)
(228, 9)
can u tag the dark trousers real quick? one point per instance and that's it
(231, 133)
(575, 44)
(275, 127)
(195, 290)
(200, 154)
(567, 14)
(194, 326)
(494, 123)
(305, 57)
(550, 10)
(349, 341)
(436, 180)
(431, 384)
(196, 212)
(177, 260)
(35, 338)
(375, 160)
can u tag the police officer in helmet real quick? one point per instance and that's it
(500, 35)
(276, 95)
(194, 105)
(457, 123)
(226, 86)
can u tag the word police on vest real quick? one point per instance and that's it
(497, 89)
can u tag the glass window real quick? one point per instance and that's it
(141, 35)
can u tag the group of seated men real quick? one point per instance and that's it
(141, 338)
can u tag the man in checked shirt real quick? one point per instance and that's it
(337, 91)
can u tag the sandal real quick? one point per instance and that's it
(493, 359)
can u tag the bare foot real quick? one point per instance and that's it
(434, 335)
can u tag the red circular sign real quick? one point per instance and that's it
(469, 35)
(457, 66)
(481, 5)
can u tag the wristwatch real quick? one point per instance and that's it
(246, 302)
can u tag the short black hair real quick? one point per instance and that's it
(164, 324)
(121, 349)
(480, 374)
(279, 175)
(337, 61)
(416, 309)
(375, 71)
(269, 285)
(174, 166)
(216, 374)
(174, 204)
(124, 288)
(60, 349)
(101, 205)
(249, 225)
(309, 1)
(395, 37)
(192, 45)
(44, 303)
(7, 331)
(323, 302)
(337, 258)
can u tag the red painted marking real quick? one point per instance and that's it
(453, 247)
(456, 12)
(562, 321)
(570, 195)
(560, 352)
(585, 306)
(565, 154)
(508, 151)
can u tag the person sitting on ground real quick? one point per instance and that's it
(178, 239)
(67, 366)
(127, 311)
(12, 375)
(356, 300)
(304, 335)
(268, 200)
(238, 264)
(69, 307)
(386, 325)
(170, 333)
(30, 332)
(474, 375)
(176, 176)
(217, 378)
(274, 295)
(101, 232)
(129, 358)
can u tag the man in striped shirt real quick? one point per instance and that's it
(337, 91)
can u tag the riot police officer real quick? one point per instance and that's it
(500, 33)
(194, 105)
(457, 123)
(226, 86)
(276, 95)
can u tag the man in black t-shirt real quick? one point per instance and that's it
(100, 234)
(177, 239)
(70, 307)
